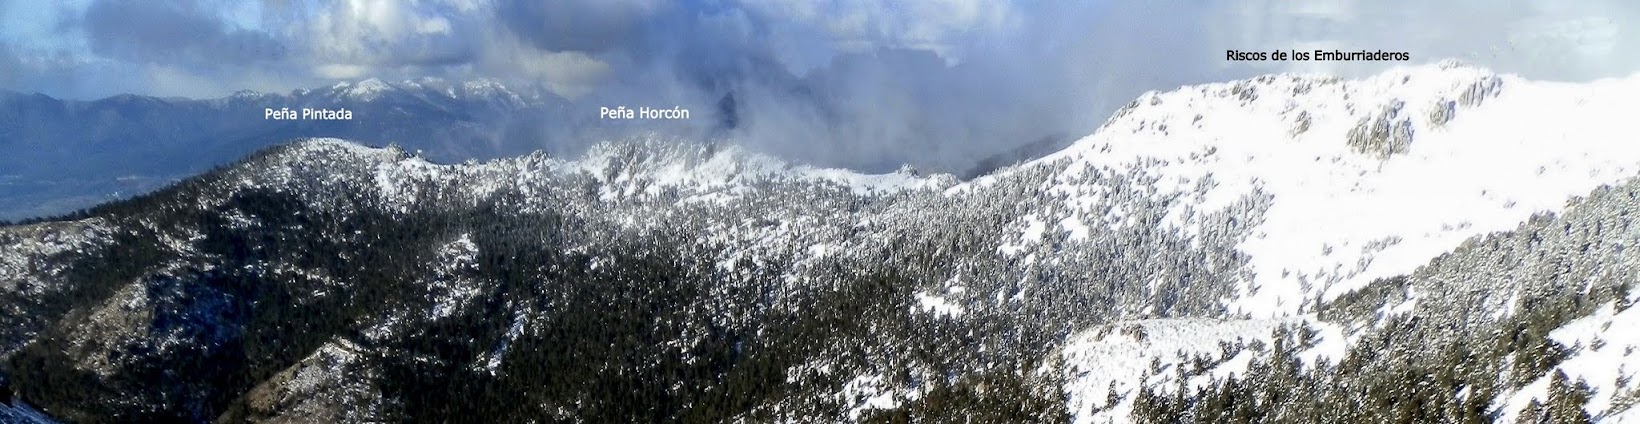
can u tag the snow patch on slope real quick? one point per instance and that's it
(1106, 367)
(710, 172)
(450, 290)
(937, 305)
(369, 89)
(645, 170)
(28, 247)
(866, 393)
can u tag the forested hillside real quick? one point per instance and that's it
(1404, 248)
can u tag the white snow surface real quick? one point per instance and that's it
(710, 171)
(866, 393)
(20, 412)
(937, 305)
(450, 290)
(1341, 218)
(368, 89)
(1117, 361)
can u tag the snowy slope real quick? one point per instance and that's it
(1369, 178)
(1106, 367)
(22, 413)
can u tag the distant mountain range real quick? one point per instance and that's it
(61, 155)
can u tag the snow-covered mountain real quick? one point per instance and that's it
(1435, 243)
(62, 155)
(1365, 181)
(1369, 179)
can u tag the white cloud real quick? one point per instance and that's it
(372, 32)
(340, 71)
(568, 74)
(434, 25)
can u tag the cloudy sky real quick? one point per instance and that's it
(834, 81)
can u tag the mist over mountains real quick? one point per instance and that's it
(70, 154)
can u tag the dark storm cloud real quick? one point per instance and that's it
(180, 32)
(676, 42)
(873, 96)
(846, 83)
(576, 25)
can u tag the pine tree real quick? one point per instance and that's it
(1566, 401)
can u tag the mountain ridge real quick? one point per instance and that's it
(1013, 296)
(1428, 109)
